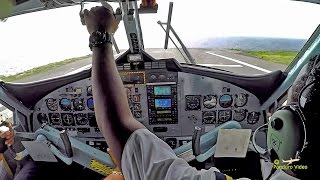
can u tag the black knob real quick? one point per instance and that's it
(172, 142)
(66, 142)
(277, 124)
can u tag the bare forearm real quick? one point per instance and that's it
(108, 89)
(111, 105)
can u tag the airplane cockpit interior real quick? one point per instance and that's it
(258, 127)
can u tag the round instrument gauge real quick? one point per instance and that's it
(240, 114)
(65, 104)
(67, 119)
(224, 115)
(54, 118)
(78, 104)
(89, 91)
(209, 101)
(162, 77)
(90, 104)
(137, 106)
(171, 76)
(208, 117)
(137, 78)
(193, 103)
(153, 77)
(42, 118)
(81, 119)
(225, 100)
(241, 100)
(253, 117)
(52, 104)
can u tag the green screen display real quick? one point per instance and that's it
(162, 90)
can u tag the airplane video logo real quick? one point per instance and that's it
(288, 166)
(290, 161)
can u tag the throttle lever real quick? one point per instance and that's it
(196, 141)
(66, 142)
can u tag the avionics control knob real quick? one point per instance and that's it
(277, 124)
(172, 142)
(153, 77)
(162, 77)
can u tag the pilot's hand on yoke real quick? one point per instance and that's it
(100, 18)
(8, 136)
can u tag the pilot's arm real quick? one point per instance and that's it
(143, 155)
(112, 111)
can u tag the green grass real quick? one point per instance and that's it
(40, 69)
(281, 57)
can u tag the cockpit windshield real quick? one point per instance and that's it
(224, 84)
(243, 37)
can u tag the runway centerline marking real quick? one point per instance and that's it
(221, 65)
(240, 62)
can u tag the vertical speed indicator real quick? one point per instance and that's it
(241, 100)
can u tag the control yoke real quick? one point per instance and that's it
(74, 150)
(87, 156)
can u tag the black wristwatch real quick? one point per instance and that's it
(99, 38)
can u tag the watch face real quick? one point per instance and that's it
(97, 37)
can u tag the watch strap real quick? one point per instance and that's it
(99, 38)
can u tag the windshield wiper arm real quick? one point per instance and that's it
(184, 57)
(189, 58)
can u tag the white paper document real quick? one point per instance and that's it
(232, 143)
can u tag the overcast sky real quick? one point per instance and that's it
(43, 37)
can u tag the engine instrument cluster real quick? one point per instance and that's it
(216, 102)
(70, 107)
(170, 104)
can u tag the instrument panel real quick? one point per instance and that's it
(70, 107)
(170, 104)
